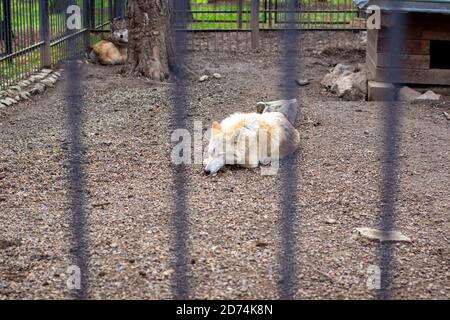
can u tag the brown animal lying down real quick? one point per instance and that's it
(113, 49)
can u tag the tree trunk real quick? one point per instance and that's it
(151, 42)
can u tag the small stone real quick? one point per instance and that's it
(375, 234)
(167, 272)
(24, 95)
(57, 74)
(2, 105)
(48, 83)
(407, 94)
(16, 88)
(261, 244)
(302, 82)
(142, 273)
(429, 96)
(352, 86)
(446, 115)
(340, 70)
(217, 75)
(13, 101)
(46, 71)
(113, 245)
(203, 78)
(37, 89)
(6, 102)
(330, 221)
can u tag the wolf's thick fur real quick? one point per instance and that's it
(108, 53)
(272, 135)
(113, 49)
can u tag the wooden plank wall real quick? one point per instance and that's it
(414, 66)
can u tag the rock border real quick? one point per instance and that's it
(37, 83)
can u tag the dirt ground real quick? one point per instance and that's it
(233, 217)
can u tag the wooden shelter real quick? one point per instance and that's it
(425, 52)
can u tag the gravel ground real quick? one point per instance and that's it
(234, 216)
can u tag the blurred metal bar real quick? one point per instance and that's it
(180, 217)
(389, 174)
(77, 179)
(289, 40)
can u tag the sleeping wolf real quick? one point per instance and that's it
(113, 49)
(250, 139)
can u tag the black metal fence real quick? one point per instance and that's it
(245, 15)
(34, 33)
(221, 25)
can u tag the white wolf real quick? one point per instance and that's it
(248, 139)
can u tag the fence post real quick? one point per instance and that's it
(87, 24)
(6, 27)
(92, 10)
(239, 13)
(270, 13)
(254, 21)
(44, 28)
(121, 9)
(111, 12)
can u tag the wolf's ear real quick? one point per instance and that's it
(216, 128)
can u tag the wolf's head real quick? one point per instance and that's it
(119, 32)
(221, 149)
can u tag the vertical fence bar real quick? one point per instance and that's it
(87, 24)
(79, 249)
(7, 27)
(288, 196)
(44, 28)
(270, 8)
(111, 11)
(254, 11)
(92, 14)
(389, 184)
(239, 13)
(180, 103)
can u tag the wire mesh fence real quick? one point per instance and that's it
(34, 33)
